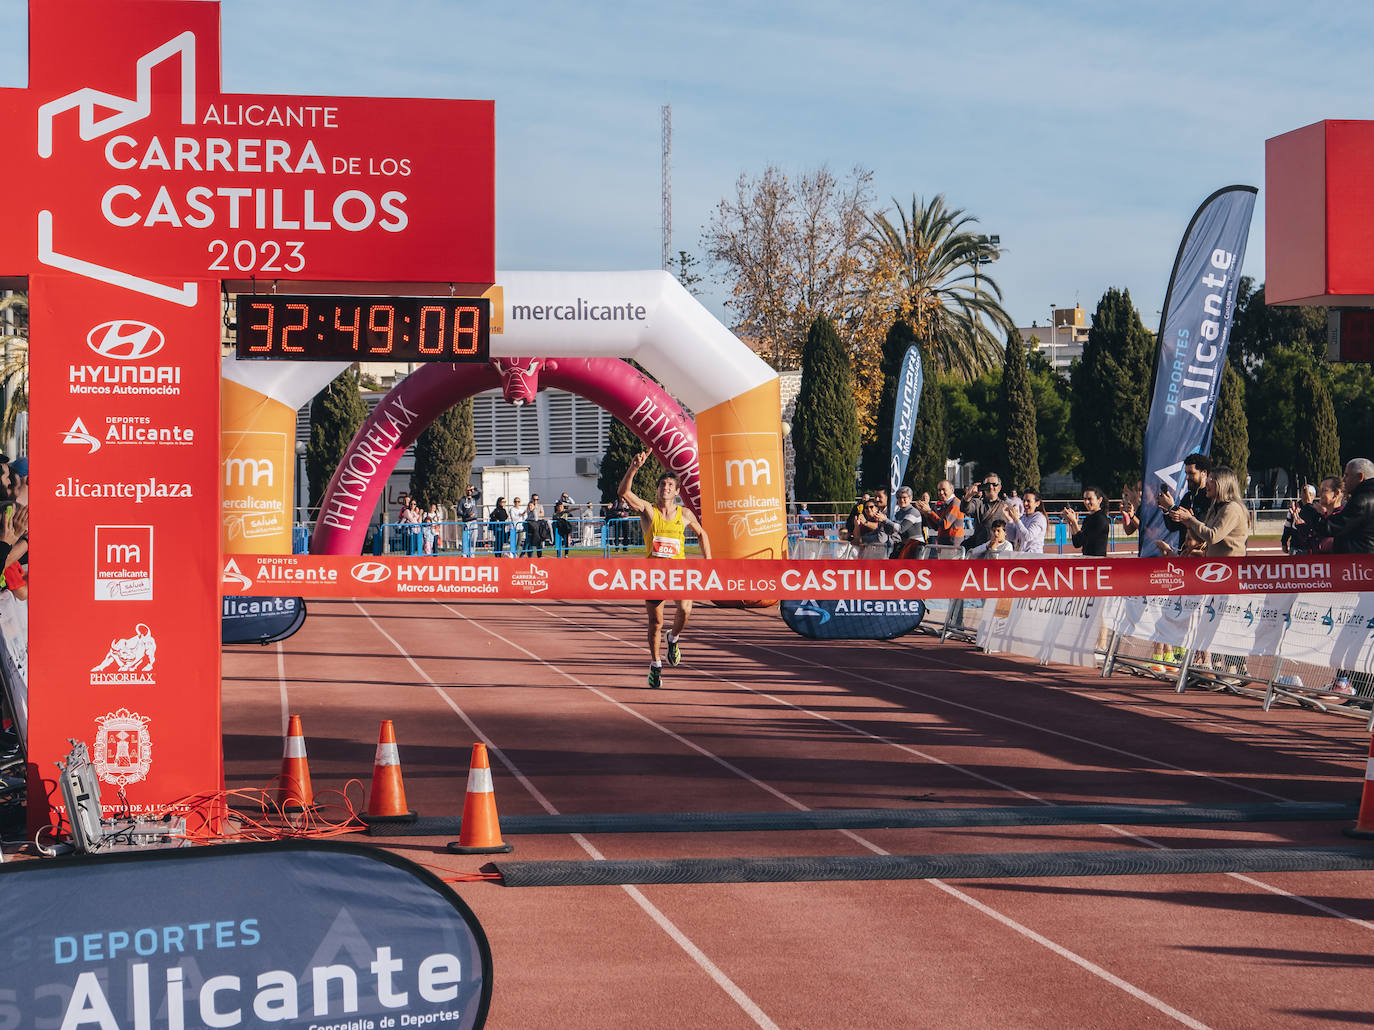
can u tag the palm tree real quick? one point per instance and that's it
(926, 271)
(14, 368)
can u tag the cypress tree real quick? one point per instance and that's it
(1317, 448)
(825, 430)
(1111, 394)
(621, 446)
(878, 452)
(1231, 430)
(1022, 465)
(930, 442)
(443, 458)
(335, 415)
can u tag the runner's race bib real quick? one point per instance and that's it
(667, 547)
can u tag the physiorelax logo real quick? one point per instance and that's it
(129, 660)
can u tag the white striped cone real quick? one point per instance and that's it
(294, 792)
(480, 833)
(387, 799)
(1364, 824)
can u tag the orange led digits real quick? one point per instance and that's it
(352, 329)
(294, 348)
(388, 327)
(473, 332)
(346, 328)
(434, 343)
(263, 328)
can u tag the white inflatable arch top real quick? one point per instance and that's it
(644, 316)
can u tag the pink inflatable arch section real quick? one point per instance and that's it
(636, 400)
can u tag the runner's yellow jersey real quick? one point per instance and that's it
(669, 537)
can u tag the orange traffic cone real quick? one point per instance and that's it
(293, 791)
(386, 802)
(1364, 823)
(480, 833)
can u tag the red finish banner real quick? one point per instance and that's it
(757, 579)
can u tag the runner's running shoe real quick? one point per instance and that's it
(674, 653)
(655, 677)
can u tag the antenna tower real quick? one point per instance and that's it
(666, 223)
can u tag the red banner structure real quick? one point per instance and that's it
(141, 189)
(580, 579)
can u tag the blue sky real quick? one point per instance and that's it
(1085, 134)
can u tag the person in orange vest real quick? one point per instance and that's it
(665, 536)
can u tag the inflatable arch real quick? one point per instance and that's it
(576, 321)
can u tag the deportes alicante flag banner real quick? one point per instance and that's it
(853, 620)
(292, 934)
(904, 421)
(1192, 350)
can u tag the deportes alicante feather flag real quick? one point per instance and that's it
(1192, 350)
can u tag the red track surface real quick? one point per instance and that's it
(759, 719)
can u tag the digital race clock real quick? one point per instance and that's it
(364, 328)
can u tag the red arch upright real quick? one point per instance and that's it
(615, 385)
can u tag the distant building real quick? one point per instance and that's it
(1061, 340)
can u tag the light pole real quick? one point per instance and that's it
(302, 514)
(1054, 338)
(985, 253)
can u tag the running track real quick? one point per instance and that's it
(757, 719)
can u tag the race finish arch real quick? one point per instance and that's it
(730, 463)
(141, 193)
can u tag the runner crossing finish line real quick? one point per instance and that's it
(665, 536)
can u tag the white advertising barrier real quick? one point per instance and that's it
(1163, 620)
(1063, 630)
(1242, 624)
(1334, 630)
(14, 632)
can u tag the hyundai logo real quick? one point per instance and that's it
(125, 340)
(1214, 572)
(371, 572)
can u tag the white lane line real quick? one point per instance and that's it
(281, 688)
(1148, 842)
(735, 993)
(1007, 921)
(856, 674)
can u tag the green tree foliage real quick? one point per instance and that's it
(443, 458)
(1231, 430)
(971, 411)
(685, 270)
(335, 415)
(930, 441)
(621, 446)
(1021, 464)
(1111, 393)
(825, 430)
(876, 454)
(1257, 330)
(14, 368)
(1352, 396)
(1054, 440)
(1272, 407)
(927, 270)
(1317, 448)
